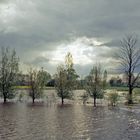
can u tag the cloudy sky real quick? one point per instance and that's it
(43, 31)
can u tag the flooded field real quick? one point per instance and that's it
(20, 121)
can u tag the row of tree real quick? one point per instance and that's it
(66, 76)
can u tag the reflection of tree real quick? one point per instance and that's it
(69, 122)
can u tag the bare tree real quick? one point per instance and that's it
(8, 73)
(94, 82)
(129, 58)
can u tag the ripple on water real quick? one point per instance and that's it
(77, 122)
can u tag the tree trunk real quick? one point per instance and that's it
(130, 100)
(33, 98)
(94, 101)
(5, 99)
(4, 94)
(62, 100)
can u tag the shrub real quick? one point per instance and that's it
(113, 98)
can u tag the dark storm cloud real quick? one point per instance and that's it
(39, 60)
(36, 26)
(3, 1)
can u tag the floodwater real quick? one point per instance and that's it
(20, 121)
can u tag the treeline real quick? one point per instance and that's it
(121, 81)
(66, 79)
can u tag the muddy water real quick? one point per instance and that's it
(22, 121)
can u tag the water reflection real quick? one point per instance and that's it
(68, 122)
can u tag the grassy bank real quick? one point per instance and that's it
(123, 89)
(28, 87)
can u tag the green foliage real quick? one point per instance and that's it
(71, 73)
(66, 79)
(44, 77)
(100, 94)
(104, 80)
(136, 95)
(113, 97)
(94, 82)
(137, 91)
(119, 88)
(36, 81)
(64, 90)
(8, 73)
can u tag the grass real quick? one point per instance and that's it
(136, 90)
(118, 88)
(28, 87)
(22, 87)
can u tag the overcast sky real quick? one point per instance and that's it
(43, 31)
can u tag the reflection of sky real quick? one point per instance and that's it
(49, 121)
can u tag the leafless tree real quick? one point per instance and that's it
(129, 59)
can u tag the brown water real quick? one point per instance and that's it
(71, 122)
